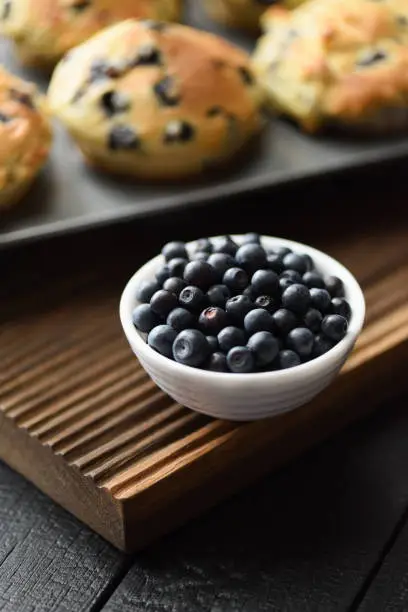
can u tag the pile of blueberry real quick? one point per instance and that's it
(240, 308)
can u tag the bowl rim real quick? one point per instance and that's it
(333, 267)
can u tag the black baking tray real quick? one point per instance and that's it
(69, 197)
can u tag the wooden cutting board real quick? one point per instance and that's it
(81, 420)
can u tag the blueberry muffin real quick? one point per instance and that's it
(242, 14)
(156, 100)
(341, 63)
(43, 30)
(25, 137)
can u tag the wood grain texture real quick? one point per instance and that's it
(303, 540)
(336, 510)
(389, 588)
(81, 419)
(49, 562)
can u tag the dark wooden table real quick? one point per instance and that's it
(328, 532)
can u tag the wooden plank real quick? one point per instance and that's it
(81, 420)
(303, 540)
(49, 562)
(388, 591)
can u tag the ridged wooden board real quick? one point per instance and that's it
(81, 420)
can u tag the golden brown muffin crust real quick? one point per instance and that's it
(44, 30)
(25, 135)
(170, 99)
(340, 60)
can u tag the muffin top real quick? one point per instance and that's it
(25, 133)
(157, 97)
(335, 59)
(45, 29)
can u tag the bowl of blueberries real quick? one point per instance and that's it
(242, 327)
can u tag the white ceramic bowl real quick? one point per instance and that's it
(244, 397)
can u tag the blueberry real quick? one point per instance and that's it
(372, 57)
(284, 321)
(146, 290)
(258, 320)
(265, 282)
(162, 302)
(288, 359)
(99, 70)
(236, 279)
(313, 279)
(229, 337)
(251, 238)
(293, 275)
(212, 320)
(240, 360)
(313, 319)
(174, 285)
(284, 283)
(218, 295)
(274, 262)
(217, 363)
(191, 348)
(296, 298)
(267, 302)
(293, 261)
(147, 55)
(205, 245)
(113, 103)
(180, 319)
(309, 262)
(171, 250)
(221, 262)
(166, 92)
(334, 327)
(144, 319)
(251, 257)
(199, 256)
(320, 299)
(264, 346)
(177, 131)
(161, 339)
(341, 307)
(321, 345)
(226, 245)
(193, 299)
(245, 75)
(249, 293)
(201, 274)
(176, 266)
(123, 137)
(300, 340)
(282, 251)
(238, 307)
(162, 275)
(213, 343)
(334, 286)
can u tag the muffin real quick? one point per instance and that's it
(25, 137)
(43, 30)
(242, 14)
(156, 100)
(341, 63)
